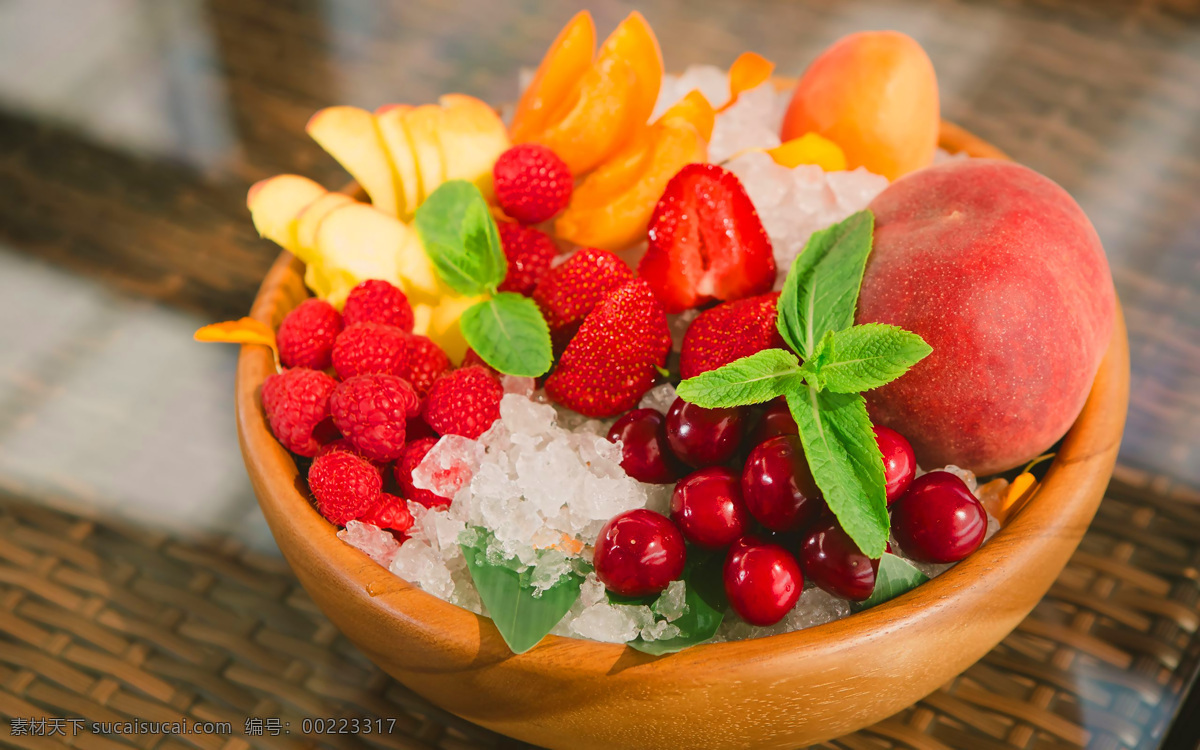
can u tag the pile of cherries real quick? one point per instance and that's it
(750, 491)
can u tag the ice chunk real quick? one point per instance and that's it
(518, 385)
(523, 416)
(379, 545)
(671, 604)
(421, 565)
(966, 475)
(448, 465)
(711, 81)
(678, 325)
(659, 398)
(606, 623)
(752, 122)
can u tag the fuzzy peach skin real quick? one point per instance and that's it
(1003, 275)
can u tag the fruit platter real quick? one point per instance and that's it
(711, 409)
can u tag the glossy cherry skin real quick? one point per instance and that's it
(638, 553)
(832, 561)
(899, 462)
(707, 507)
(938, 520)
(645, 455)
(704, 437)
(762, 580)
(778, 486)
(775, 420)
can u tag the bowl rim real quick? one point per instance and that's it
(1075, 480)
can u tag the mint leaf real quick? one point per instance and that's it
(845, 461)
(812, 368)
(754, 379)
(894, 577)
(510, 334)
(460, 237)
(870, 355)
(821, 289)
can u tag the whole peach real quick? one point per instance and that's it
(1003, 275)
(874, 93)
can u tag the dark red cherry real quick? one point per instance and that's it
(938, 520)
(776, 420)
(704, 437)
(707, 506)
(638, 553)
(762, 580)
(778, 486)
(899, 461)
(645, 455)
(832, 561)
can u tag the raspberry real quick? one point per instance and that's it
(368, 349)
(532, 183)
(388, 512)
(344, 485)
(426, 361)
(463, 402)
(529, 252)
(297, 406)
(305, 337)
(377, 301)
(472, 359)
(414, 453)
(342, 444)
(371, 410)
(416, 429)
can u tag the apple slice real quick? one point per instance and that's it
(351, 136)
(310, 218)
(472, 138)
(424, 123)
(275, 203)
(390, 118)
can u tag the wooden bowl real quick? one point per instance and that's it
(778, 692)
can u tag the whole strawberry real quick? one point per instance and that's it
(529, 252)
(370, 410)
(378, 301)
(370, 348)
(297, 405)
(572, 290)
(388, 512)
(426, 361)
(414, 453)
(306, 335)
(727, 332)
(344, 485)
(532, 184)
(614, 358)
(463, 402)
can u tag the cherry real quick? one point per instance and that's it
(775, 420)
(899, 461)
(778, 486)
(704, 437)
(832, 561)
(938, 520)
(645, 455)
(762, 580)
(707, 506)
(638, 553)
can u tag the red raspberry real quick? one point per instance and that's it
(388, 512)
(368, 349)
(371, 410)
(463, 402)
(472, 359)
(344, 485)
(377, 301)
(342, 444)
(305, 337)
(529, 252)
(414, 453)
(426, 361)
(532, 183)
(416, 429)
(297, 406)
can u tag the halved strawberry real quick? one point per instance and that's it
(727, 332)
(570, 291)
(706, 241)
(613, 360)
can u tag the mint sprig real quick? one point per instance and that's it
(816, 319)
(462, 241)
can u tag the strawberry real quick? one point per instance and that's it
(727, 332)
(614, 357)
(529, 252)
(532, 184)
(570, 291)
(706, 241)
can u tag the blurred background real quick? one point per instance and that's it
(131, 129)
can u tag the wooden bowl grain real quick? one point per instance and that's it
(779, 692)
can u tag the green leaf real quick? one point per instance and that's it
(522, 618)
(845, 461)
(868, 356)
(754, 379)
(706, 605)
(812, 368)
(510, 334)
(460, 237)
(821, 289)
(895, 577)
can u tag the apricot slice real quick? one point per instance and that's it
(351, 136)
(569, 57)
(749, 71)
(695, 109)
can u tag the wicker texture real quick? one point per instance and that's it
(108, 623)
